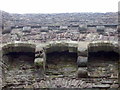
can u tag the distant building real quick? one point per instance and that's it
(100, 29)
(26, 29)
(44, 29)
(92, 30)
(6, 30)
(63, 27)
(53, 27)
(82, 29)
(73, 27)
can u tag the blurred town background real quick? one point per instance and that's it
(61, 26)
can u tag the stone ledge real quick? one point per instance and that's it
(18, 47)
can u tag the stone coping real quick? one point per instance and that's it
(71, 46)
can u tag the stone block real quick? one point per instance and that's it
(39, 62)
(82, 61)
(82, 72)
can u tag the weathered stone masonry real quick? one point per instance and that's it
(40, 50)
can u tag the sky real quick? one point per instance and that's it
(58, 6)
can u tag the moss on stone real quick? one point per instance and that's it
(39, 61)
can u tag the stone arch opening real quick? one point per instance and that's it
(18, 59)
(111, 55)
(61, 60)
(105, 56)
(16, 52)
(61, 64)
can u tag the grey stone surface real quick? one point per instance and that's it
(82, 61)
(39, 62)
(18, 47)
(102, 86)
(22, 73)
(103, 46)
(82, 72)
